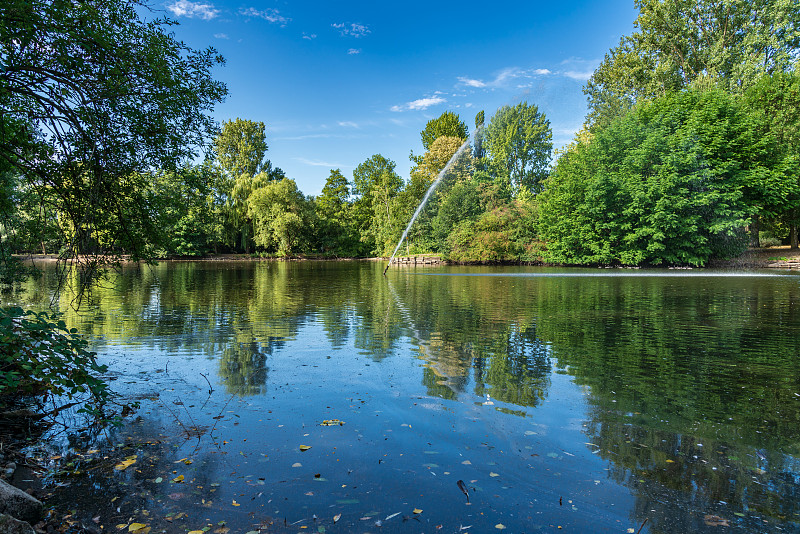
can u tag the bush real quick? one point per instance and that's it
(40, 356)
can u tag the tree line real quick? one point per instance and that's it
(689, 152)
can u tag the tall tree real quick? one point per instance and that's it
(447, 124)
(240, 147)
(729, 44)
(775, 102)
(91, 97)
(519, 142)
(374, 182)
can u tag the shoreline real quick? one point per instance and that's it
(781, 257)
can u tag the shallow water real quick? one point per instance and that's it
(594, 400)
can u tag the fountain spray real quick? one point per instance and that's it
(430, 191)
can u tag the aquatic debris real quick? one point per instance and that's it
(463, 488)
(332, 422)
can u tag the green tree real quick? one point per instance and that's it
(336, 233)
(91, 97)
(240, 147)
(447, 124)
(375, 182)
(680, 42)
(775, 102)
(673, 182)
(279, 212)
(519, 142)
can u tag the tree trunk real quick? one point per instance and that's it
(754, 226)
(793, 237)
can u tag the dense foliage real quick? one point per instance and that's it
(39, 355)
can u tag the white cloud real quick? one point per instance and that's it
(309, 37)
(577, 75)
(353, 51)
(269, 14)
(317, 163)
(503, 77)
(348, 124)
(352, 29)
(185, 8)
(419, 104)
(469, 82)
(221, 36)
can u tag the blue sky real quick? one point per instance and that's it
(335, 82)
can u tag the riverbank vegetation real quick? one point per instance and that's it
(689, 153)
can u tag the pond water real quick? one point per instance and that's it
(589, 400)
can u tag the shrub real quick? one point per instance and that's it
(40, 356)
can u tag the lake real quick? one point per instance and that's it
(595, 400)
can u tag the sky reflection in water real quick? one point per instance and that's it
(589, 402)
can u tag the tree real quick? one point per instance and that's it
(447, 124)
(775, 102)
(91, 98)
(374, 181)
(240, 147)
(680, 42)
(673, 182)
(519, 142)
(336, 233)
(279, 213)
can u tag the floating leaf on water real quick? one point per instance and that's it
(500, 526)
(493, 474)
(158, 480)
(332, 422)
(417, 511)
(297, 464)
(197, 532)
(670, 461)
(529, 432)
(137, 527)
(304, 447)
(235, 503)
(552, 455)
(126, 463)
(337, 517)
(388, 517)
(466, 462)
(178, 479)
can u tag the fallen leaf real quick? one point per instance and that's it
(337, 517)
(417, 511)
(388, 517)
(493, 474)
(235, 503)
(332, 422)
(466, 462)
(126, 463)
(716, 521)
(297, 464)
(178, 479)
(304, 447)
(158, 480)
(138, 528)
(500, 526)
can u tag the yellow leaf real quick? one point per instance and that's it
(335, 518)
(136, 527)
(417, 511)
(670, 461)
(123, 525)
(235, 503)
(493, 474)
(500, 526)
(304, 447)
(332, 422)
(178, 479)
(126, 463)
(196, 532)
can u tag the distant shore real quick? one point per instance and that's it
(781, 257)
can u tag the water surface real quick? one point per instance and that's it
(594, 400)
